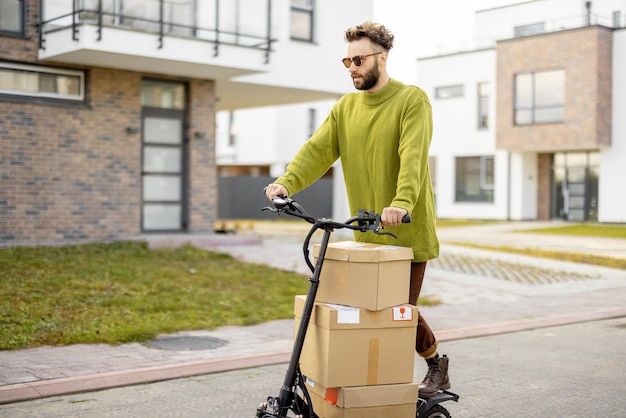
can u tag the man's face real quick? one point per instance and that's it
(365, 76)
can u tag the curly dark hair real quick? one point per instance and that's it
(375, 32)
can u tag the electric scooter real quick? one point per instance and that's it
(293, 399)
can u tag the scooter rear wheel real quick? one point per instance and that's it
(437, 411)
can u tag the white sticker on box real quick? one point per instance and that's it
(402, 313)
(346, 314)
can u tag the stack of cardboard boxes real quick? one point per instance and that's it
(359, 354)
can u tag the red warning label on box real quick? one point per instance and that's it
(402, 313)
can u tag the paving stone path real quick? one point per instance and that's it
(505, 270)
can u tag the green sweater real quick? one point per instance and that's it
(383, 141)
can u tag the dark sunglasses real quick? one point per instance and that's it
(357, 59)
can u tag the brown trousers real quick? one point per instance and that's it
(425, 341)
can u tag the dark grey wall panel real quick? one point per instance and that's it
(242, 197)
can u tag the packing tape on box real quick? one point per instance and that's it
(372, 361)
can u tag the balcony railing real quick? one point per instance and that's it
(538, 28)
(241, 23)
(616, 21)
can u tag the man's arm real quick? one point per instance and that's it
(416, 135)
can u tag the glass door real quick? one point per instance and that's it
(575, 186)
(575, 189)
(163, 152)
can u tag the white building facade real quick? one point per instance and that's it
(530, 127)
(526, 121)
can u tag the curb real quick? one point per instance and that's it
(529, 324)
(64, 386)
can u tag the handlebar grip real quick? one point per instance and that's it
(406, 219)
(281, 201)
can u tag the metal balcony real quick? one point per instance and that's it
(242, 23)
(235, 34)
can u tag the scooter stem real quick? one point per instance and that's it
(286, 396)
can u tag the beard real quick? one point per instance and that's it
(368, 80)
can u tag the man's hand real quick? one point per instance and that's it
(273, 190)
(392, 216)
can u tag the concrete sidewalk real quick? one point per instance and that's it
(482, 293)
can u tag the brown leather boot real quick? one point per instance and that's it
(436, 377)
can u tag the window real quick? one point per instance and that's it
(302, 20)
(164, 167)
(162, 94)
(474, 179)
(529, 30)
(449, 92)
(617, 18)
(312, 122)
(12, 17)
(483, 105)
(232, 129)
(539, 97)
(42, 82)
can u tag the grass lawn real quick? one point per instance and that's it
(122, 292)
(585, 230)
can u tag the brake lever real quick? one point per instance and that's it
(279, 202)
(372, 222)
(283, 203)
(378, 231)
(377, 226)
(269, 208)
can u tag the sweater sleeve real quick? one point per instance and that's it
(313, 159)
(415, 138)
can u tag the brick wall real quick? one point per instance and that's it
(585, 55)
(72, 173)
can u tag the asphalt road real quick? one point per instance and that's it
(568, 371)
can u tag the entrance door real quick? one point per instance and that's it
(575, 180)
(575, 188)
(164, 149)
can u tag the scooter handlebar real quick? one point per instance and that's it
(366, 220)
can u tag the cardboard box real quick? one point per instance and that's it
(347, 346)
(363, 275)
(383, 401)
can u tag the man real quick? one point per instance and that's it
(382, 135)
